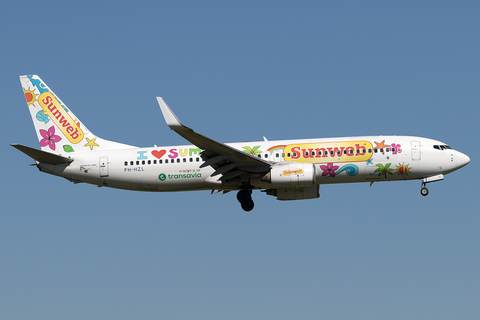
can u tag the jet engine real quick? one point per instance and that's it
(291, 175)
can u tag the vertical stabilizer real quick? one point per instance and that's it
(58, 129)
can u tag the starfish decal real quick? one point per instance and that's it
(381, 145)
(91, 143)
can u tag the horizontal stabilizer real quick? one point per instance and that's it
(42, 156)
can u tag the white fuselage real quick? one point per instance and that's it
(336, 160)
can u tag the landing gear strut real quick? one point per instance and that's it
(245, 199)
(424, 190)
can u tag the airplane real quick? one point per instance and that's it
(285, 169)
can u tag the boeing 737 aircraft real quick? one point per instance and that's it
(285, 169)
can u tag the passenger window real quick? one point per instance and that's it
(381, 150)
(393, 149)
(376, 150)
(149, 162)
(131, 163)
(294, 154)
(288, 154)
(126, 163)
(283, 154)
(143, 161)
(266, 155)
(178, 160)
(191, 159)
(277, 155)
(339, 152)
(369, 150)
(160, 161)
(198, 159)
(184, 159)
(387, 149)
(138, 162)
(331, 152)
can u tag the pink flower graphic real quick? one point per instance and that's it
(329, 170)
(49, 138)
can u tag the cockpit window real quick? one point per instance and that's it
(441, 147)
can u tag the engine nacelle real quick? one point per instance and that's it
(310, 192)
(292, 175)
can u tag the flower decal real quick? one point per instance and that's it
(329, 170)
(49, 138)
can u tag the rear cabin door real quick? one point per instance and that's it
(415, 150)
(104, 167)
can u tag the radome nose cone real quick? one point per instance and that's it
(462, 160)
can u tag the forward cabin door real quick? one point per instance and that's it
(415, 150)
(104, 167)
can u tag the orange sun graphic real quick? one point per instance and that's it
(403, 169)
(30, 96)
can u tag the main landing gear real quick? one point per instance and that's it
(424, 190)
(245, 198)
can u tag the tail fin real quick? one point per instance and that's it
(58, 129)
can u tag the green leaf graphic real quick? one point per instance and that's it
(68, 148)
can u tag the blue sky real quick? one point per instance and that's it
(238, 72)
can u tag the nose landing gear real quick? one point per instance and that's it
(245, 199)
(424, 190)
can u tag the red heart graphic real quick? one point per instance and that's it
(158, 154)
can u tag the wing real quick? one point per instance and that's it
(227, 161)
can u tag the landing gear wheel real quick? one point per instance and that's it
(244, 196)
(247, 206)
(424, 191)
(245, 199)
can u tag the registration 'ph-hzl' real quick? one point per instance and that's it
(285, 169)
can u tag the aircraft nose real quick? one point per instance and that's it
(462, 159)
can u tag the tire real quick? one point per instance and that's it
(244, 196)
(248, 206)
(424, 191)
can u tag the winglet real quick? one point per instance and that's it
(170, 117)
